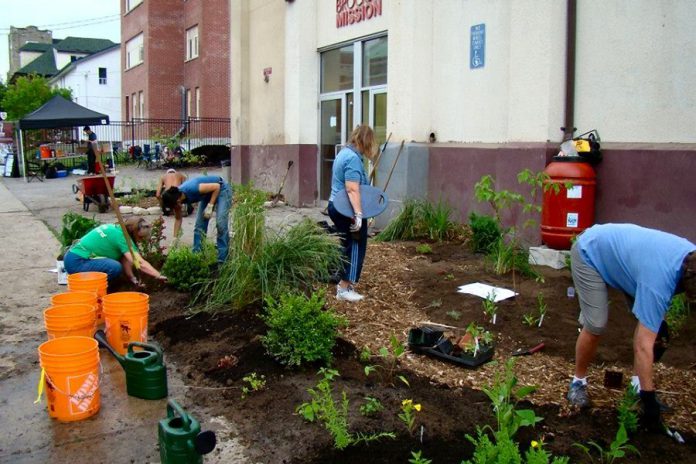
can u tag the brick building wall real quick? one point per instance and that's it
(165, 71)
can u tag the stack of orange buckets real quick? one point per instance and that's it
(70, 358)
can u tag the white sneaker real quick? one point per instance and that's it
(347, 294)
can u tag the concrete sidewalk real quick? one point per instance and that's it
(125, 429)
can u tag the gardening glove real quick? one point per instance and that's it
(208, 211)
(650, 419)
(356, 223)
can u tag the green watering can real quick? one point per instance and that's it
(146, 374)
(180, 438)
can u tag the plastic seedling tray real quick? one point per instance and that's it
(442, 349)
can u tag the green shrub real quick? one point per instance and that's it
(678, 313)
(485, 232)
(421, 219)
(186, 269)
(75, 226)
(299, 330)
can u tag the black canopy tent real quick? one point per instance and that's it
(58, 113)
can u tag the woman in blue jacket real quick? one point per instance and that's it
(349, 173)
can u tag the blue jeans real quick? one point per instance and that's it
(222, 222)
(353, 249)
(74, 263)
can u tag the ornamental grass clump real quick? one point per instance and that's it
(291, 260)
(300, 330)
(421, 219)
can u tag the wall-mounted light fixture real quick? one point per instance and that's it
(267, 74)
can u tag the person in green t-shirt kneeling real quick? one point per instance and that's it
(104, 249)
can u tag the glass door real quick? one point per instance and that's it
(332, 135)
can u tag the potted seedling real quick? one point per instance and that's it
(490, 309)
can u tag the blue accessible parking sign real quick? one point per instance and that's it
(477, 51)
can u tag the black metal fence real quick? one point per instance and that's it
(189, 133)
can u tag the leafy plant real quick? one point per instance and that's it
(422, 219)
(627, 410)
(409, 409)
(456, 315)
(490, 309)
(389, 358)
(151, 248)
(530, 319)
(617, 449)
(418, 458)
(542, 307)
(75, 226)
(485, 232)
(678, 313)
(505, 394)
(256, 383)
(185, 269)
(424, 249)
(323, 407)
(299, 330)
(478, 337)
(449, 277)
(371, 406)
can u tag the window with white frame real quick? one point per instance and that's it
(102, 76)
(130, 4)
(188, 103)
(142, 104)
(134, 51)
(134, 100)
(192, 43)
(198, 102)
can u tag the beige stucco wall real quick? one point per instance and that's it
(634, 76)
(636, 70)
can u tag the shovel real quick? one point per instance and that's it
(523, 352)
(276, 198)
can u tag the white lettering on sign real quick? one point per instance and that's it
(82, 398)
(354, 11)
(574, 192)
(572, 220)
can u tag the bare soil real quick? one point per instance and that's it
(402, 290)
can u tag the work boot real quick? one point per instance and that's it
(347, 294)
(577, 395)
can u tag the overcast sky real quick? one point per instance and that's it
(77, 18)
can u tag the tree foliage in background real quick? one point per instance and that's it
(27, 94)
(3, 90)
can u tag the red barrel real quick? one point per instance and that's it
(570, 211)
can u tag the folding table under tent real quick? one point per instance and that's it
(59, 113)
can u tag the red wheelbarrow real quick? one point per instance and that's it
(92, 189)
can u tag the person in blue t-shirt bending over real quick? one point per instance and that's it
(349, 173)
(650, 267)
(212, 194)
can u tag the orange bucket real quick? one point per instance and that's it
(71, 320)
(90, 282)
(71, 297)
(45, 151)
(71, 365)
(125, 319)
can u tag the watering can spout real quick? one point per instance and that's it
(100, 336)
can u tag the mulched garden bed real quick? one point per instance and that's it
(403, 289)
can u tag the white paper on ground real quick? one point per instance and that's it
(484, 291)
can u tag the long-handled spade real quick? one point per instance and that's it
(276, 197)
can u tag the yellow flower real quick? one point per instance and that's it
(417, 407)
(535, 444)
(406, 402)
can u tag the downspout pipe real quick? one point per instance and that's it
(569, 104)
(182, 129)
